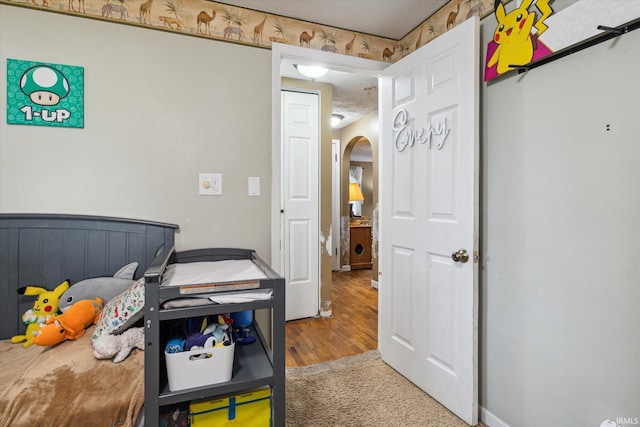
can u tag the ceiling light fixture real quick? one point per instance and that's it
(311, 71)
(336, 119)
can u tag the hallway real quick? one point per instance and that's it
(352, 329)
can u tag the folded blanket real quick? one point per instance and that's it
(238, 297)
(223, 298)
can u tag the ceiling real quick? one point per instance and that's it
(353, 96)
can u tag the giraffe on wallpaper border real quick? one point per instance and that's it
(145, 12)
(348, 49)
(80, 6)
(257, 31)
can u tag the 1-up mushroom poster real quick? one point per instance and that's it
(44, 94)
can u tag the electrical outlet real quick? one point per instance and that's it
(210, 184)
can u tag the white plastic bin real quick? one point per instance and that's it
(190, 369)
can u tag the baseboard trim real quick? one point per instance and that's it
(491, 420)
(374, 284)
(325, 314)
(346, 267)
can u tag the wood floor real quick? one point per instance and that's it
(352, 328)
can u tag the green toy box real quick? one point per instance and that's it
(250, 409)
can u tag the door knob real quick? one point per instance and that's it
(460, 256)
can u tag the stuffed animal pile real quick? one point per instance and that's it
(68, 310)
(200, 332)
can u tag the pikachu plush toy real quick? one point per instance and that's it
(45, 306)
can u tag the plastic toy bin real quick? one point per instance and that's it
(199, 368)
(248, 409)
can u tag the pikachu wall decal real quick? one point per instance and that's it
(515, 38)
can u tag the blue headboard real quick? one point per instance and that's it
(45, 249)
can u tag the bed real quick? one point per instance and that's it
(65, 384)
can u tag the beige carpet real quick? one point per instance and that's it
(360, 391)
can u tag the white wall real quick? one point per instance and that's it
(159, 109)
(560, 303)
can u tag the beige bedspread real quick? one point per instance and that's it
(65, 386)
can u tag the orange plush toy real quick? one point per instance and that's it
(71, 324)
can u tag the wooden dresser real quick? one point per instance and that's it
(360, 246)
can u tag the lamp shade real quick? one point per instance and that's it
(355, 194)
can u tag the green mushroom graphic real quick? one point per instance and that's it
(44, 85)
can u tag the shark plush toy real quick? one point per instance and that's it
(105, 288)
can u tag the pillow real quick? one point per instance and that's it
(121, 312)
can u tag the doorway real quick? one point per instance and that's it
(335, 205)
(360, 183)
(289, 55)
(449, 65)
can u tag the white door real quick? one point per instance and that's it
(429, 210)
(300, 151)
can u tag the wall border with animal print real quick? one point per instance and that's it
(217, 21)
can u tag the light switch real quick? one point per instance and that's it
(210, 184)
(254, 185)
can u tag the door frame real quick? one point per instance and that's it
(335, 205)
(299, 55)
